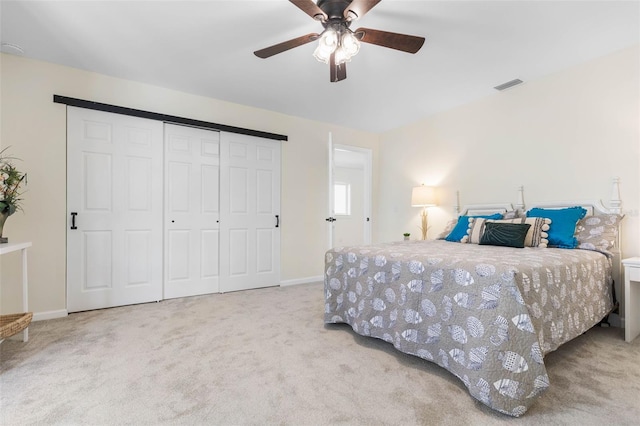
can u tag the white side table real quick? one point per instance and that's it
(11, 247)
(631, 298)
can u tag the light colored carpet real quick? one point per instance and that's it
(266, 357)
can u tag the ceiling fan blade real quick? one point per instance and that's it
(403, 42)
(358, 8)
(286, 45)
(311, 9)
(336, 72)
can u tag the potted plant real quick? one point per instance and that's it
(406, 236)
(11, 180)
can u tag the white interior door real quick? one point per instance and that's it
(349, 195)
(192, 182)
(114, 210)
(250, 212)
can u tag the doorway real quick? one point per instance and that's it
(349, 195)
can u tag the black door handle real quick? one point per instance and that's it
(277, 221)
(330, 219)
(73, 220)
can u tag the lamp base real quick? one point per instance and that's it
(424, 227)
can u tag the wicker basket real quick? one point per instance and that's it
(14, 323)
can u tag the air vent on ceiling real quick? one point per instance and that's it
(508, 84)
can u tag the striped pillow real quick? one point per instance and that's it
(536, 236)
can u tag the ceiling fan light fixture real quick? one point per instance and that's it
(350, 43)
(342, 41)
(327, 44)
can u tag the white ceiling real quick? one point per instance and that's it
(206, 48)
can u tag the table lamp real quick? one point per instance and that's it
(423, 196)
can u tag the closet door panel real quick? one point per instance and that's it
(264, 193)
(114, 207)
(238, 250)
(210, 185)
(97, 249)
(138, 187)
(265, 250)
(137, 250)
(210, 249)
(238, 185)
(98, 177)
(249, 216)
(192, 213)
(178, 187)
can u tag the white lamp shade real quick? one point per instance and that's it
(423, 196)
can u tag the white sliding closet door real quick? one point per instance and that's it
(114, 210)
(216, 231)
(192, 214)
(250, 212)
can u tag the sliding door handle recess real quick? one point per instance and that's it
(277, 221)
(73, 220)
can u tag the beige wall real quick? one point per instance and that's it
(563, 137)
(35, 129)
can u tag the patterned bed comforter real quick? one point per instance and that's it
(487, 314)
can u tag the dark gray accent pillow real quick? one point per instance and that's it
(505, 234)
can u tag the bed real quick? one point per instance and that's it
(488, 314)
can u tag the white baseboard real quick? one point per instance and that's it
(61, 313)
(297, 281)
(47, 315)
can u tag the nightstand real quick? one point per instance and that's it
(631, 298)
(22, 247)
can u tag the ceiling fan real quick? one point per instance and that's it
(337, 43)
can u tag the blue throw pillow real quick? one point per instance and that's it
(563, 224)
(460, 230)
